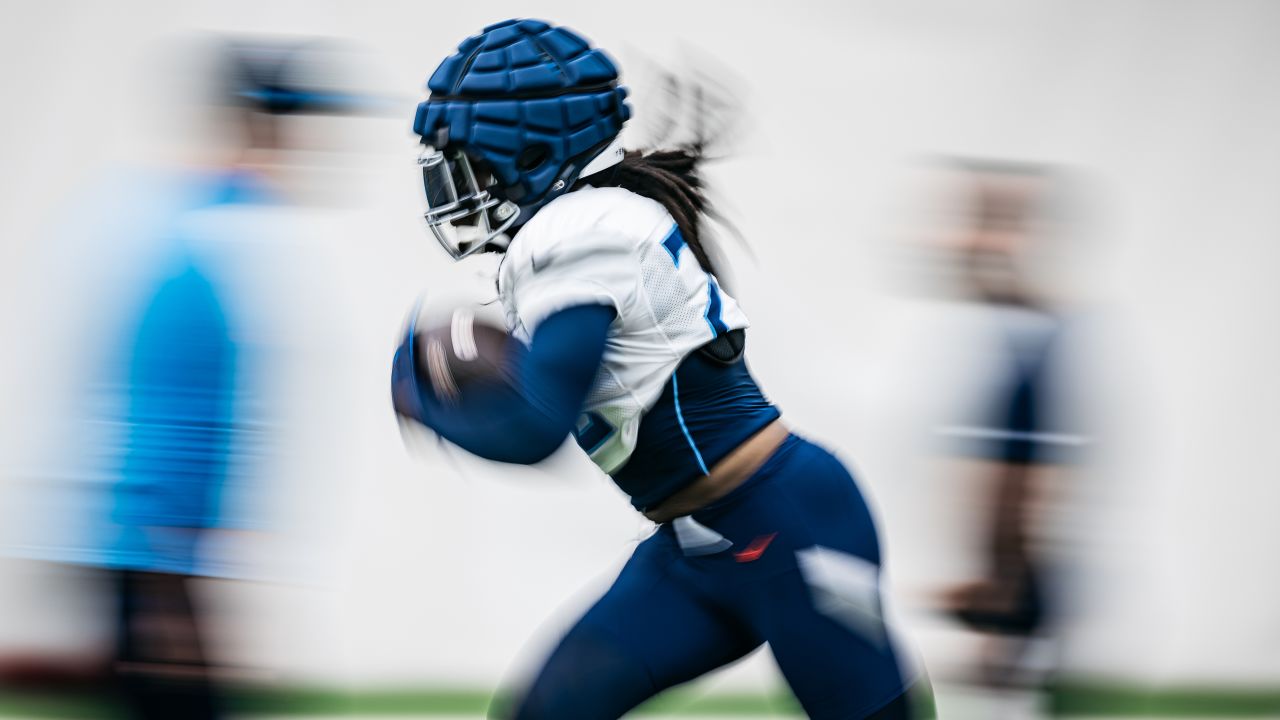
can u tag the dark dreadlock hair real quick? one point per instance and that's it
(697, 110)
(700, 112)
(671, 178)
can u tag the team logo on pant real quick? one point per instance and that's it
(752, 552)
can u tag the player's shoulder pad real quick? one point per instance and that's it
(590, 221)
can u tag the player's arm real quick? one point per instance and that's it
(527, 419)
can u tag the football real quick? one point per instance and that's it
(464, 353)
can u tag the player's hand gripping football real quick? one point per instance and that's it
(434, 368)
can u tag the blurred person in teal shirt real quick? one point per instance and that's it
(168, 322)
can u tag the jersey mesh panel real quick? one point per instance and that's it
(677, 307)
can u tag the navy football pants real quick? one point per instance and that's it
(800, 575)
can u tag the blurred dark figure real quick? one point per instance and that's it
(1013, 445)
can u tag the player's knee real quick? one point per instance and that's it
(533, 706)
(590, 675)
(549, 698)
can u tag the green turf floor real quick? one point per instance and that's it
(1076, 700)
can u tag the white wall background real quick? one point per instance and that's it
(439, 569)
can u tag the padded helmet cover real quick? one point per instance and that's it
(535, 102)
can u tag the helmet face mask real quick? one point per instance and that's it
(463, 213)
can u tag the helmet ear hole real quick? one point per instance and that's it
(532, 157)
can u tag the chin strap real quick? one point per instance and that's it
(610, 156)
(508, 211)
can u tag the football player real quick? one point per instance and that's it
(624, 338)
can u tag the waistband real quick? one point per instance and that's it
(731, 472)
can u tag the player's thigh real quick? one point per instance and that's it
(649, 632)
(823, 615)
(831, 644)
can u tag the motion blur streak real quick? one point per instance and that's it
(1016, 257)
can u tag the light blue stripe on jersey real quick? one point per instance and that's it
(675, 392)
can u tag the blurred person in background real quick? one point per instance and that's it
(622, 337)
(1015, 441)
(181, 317)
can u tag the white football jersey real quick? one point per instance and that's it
(610, 246)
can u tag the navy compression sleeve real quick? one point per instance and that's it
(528, 421)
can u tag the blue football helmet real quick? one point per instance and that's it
(515, 117)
